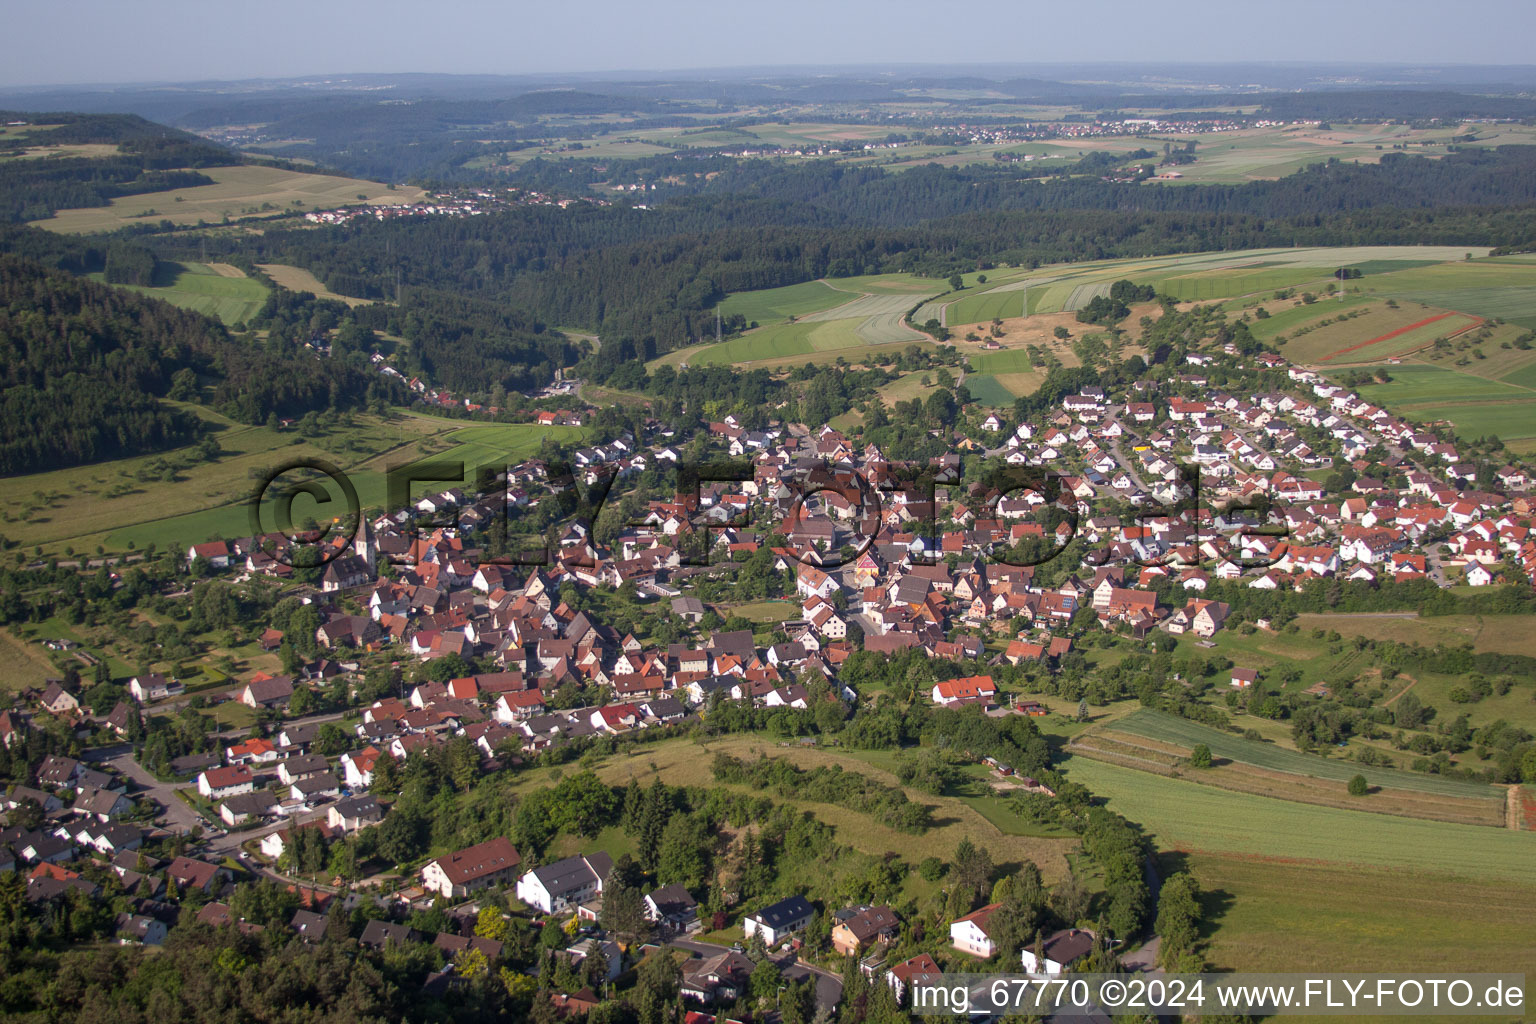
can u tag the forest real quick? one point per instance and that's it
(83, 367)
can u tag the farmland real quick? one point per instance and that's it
(297, 279)
(1263, 914)
(1475, 406)
(1196, 818)
(861, 314)
(237, 193)
(218, 290)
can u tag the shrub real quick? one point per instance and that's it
(1358, 786)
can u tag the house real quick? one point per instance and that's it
(153, 686)
(1058, 951)
(379, 934)
(1242, 678)
(672, 905)
(860, 927)
(920, 970)
(353, 813)
(720, 978)
(777, 920)
(566, 882)
(218, 783)
(57, 699)
(137, 928)
(474, 867)
(193, 874)
(266, 693)
(969, 934)
(966, 690)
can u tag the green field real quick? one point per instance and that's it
(217, 290)
(988, 390)
(1263, 914)
(781, 303)
(1192, 817)
(1475, 406)
(1158, 725)
(237, 192)
(1485, 287)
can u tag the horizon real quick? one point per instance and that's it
(178, 43)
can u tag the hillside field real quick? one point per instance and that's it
(1202, 819)
(237, 193)
(218, 290)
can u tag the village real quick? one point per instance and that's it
(1154, 493)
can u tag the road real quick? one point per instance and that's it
(829, 986)
(176, 814)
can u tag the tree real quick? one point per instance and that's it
(491, 923)
(1082, 710)
(1358, 786)
(765, 981)
(956, 282)
(1200, 757)
(1178, 917)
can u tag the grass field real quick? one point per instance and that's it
(105, 503)
(1195, 818)
(988, 390)
(297, 279)
(218, 290)
(781, 303)
(866, 313)
(237, 193)
(1475, 406)
(1364, 332)
(1263, 914)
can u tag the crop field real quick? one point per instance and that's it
(781, 303)
(1500, 634)
(1475, 406)
(1366, 332)
(237, 192)
(1405, 339)
(297, 279)
(1208, 285)
(217, 290)
(867, 314)
(1263, 914)
(1171, 729)
(1487, 288)
(1196, 818)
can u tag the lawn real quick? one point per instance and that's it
(26, 664)
(218, 290)
(237, 192)
(1196, 818)
(989, 391)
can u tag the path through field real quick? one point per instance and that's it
(226, 270)
(1512, 809)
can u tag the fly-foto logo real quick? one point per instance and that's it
(828, 515)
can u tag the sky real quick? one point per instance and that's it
(60, 42)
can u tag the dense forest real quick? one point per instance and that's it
(83, 366)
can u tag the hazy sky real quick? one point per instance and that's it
(100, 41)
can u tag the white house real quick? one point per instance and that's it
(778, 920)
(1058, 952)
(969, 934)
(565, 883)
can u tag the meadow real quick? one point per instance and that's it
(1202, 819)
(1158, 725)
(794, 300)
(237, 193)
(219, 290)
(1268, 914)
